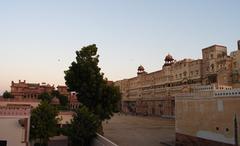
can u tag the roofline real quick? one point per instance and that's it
(215, 45)
(61, 86)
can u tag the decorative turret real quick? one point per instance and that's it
(168, 60)
(140, 70)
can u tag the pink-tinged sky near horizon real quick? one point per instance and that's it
(38, 39)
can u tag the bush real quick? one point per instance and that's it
(7, 94)
(83, 127)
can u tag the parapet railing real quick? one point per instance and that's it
(213, 93)
(221, 93)
(14, 111)
(102, 141)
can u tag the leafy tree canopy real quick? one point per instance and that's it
(45, 97)
(62, 98)
(109, 102)
(84, 77)
(7, 94)
(55, 93)
(48, 97)
(83, 127)
(43, 122)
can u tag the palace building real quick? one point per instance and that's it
(23, 91)
(154, 93)
(29, 90)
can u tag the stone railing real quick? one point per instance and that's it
(213, 93)
(197, 94)
(227, 93)
(102, 141)
(63, 141)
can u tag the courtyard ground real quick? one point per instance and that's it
(128, 130)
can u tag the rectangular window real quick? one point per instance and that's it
(3, 143)
(220, 105)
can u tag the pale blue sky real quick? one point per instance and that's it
(34, 35)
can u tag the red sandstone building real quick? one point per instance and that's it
(23, 90)
(29, 90)
(153, 93)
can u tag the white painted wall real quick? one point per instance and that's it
(11, 131)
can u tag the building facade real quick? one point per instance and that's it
(23, 91)
(29, 90)
(154, 93)
(15, 125)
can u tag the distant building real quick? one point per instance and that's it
(153, 93)
(23, 91)
(206, 116)
(29, 90)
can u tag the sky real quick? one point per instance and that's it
(38, 39)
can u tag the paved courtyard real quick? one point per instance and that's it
(127, 130)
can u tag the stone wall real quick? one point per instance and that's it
(208, 116)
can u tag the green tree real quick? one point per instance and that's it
(109, 103)
(63, 100)
(84, 77)
(7, 94)
(55, 93)
(83, 127)
(45, 96)
(43, 123)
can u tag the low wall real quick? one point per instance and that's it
(63, 141)
(102, 141)
(187, 140)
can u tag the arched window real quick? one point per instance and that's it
(212, 66)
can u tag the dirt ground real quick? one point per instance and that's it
(128, 130)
